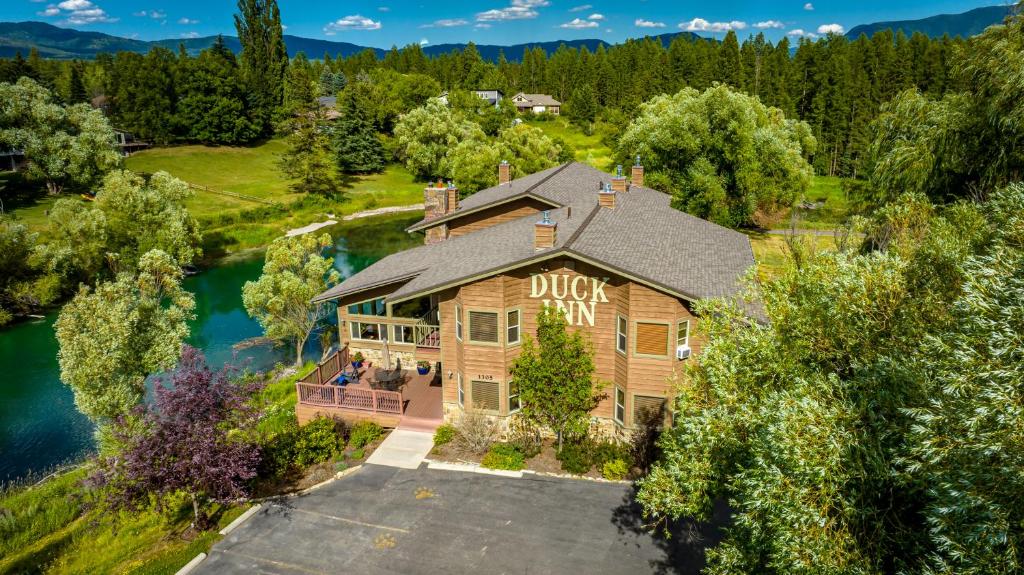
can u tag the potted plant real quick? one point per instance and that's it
(357, 360)
(422, 367)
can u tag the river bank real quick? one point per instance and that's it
(39, 425)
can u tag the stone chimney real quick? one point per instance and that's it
(434, 200)
(637, 177)
(452, 200)
(545, 233)
(619, 181)
(504, 172)
(606, 196)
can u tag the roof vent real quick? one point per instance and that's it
(606, 197)
(637, 177)
(619, 181)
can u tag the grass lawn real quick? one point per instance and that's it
(55, 528)
(832, 207)
(589, 149)
(772, 254)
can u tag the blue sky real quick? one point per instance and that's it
(386, 22)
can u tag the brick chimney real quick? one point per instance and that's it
(619, 181)
(637, 177)
(606, 196)
(504, 172)
(545, 233)
(434, 200)
(452, 200)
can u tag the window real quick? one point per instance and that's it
(648, 411)
(483, 327)
(370, 307)
(367, 331)
(403, 334)
(620, 406)
(462, 392)
(458, 322)
(651, 339)
(514, 404)
(512, 327)
(620, 334)
(683, 333)
(485, 395)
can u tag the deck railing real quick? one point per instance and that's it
(426, 335)
(374, 400)
(328, 369)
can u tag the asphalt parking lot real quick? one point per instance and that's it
(389, 520)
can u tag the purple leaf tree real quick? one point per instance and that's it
(194, 439)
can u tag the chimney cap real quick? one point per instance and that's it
(637, 163)
(618, 170)
(505, 162)
(607, 189)
(546, 218)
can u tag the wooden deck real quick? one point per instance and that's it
(416, 405)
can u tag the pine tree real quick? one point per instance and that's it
(730, 69)
(358, 149)
(76, 88)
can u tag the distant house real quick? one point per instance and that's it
(127, 143)
(492, 97)
(536, 103)
(330, 104)
(11, 160)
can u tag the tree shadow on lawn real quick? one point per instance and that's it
(685, 543)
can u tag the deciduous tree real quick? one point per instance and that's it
(282, 298)
(555, 376)
(114, 335)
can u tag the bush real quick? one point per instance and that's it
(476, 431)
(524, 436)
(616, 470)
(317, 441)
(357, 454)
(364, 433)
(444, 434)
(606, 451)
(277, 455)
(503, 456)
(576, 457)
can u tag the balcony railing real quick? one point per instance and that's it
(372, 400)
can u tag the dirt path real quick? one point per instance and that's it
(382, 211)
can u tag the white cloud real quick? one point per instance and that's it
(187, 21)
(702, 25)
(808, 6)
(578, 24)
(641, 23)
(354, 22)
(769, 24)
(801, 32)
(482, 26)
(531, 3)
(580, 8)
(519, 10)
(424, 42)
(446, 23)
(78, 12)
(190, 35)
(831, 29)
(595, 17)
(383, 9)
(154, 14)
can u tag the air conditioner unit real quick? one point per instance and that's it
(682, 352)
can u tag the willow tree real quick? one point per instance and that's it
(114, 335)
(282, 298)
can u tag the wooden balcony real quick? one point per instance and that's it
(416, 404)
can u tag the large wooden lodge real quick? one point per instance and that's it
(614, 255)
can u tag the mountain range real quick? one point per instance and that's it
(64, 43)
(966, 24)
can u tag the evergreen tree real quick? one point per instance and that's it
(264, 59)
(212, 105)
(730, 68)
(358, 149)
(583, 105)
(76, 88)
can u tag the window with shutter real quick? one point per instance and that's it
(651, 339)
(648, 411)
(485, 395)
(483, 327)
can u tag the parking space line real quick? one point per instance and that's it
(273, 562)
(347, 520)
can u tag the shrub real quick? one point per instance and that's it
(616, 470)
(444, 434)
(363, 434)
(317, 441)
(575, 457)
(476, 431)
(608, 450)
(524, 436)
(277, 456)
(357, 454)
(503, 456)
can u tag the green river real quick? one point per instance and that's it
(39, 426)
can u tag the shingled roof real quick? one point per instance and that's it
(642, 238)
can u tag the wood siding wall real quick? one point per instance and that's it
(494, 216)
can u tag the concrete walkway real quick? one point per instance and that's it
(309, 228)
(403, 448)
(383, 211)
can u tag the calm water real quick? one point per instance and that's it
(39, 426)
